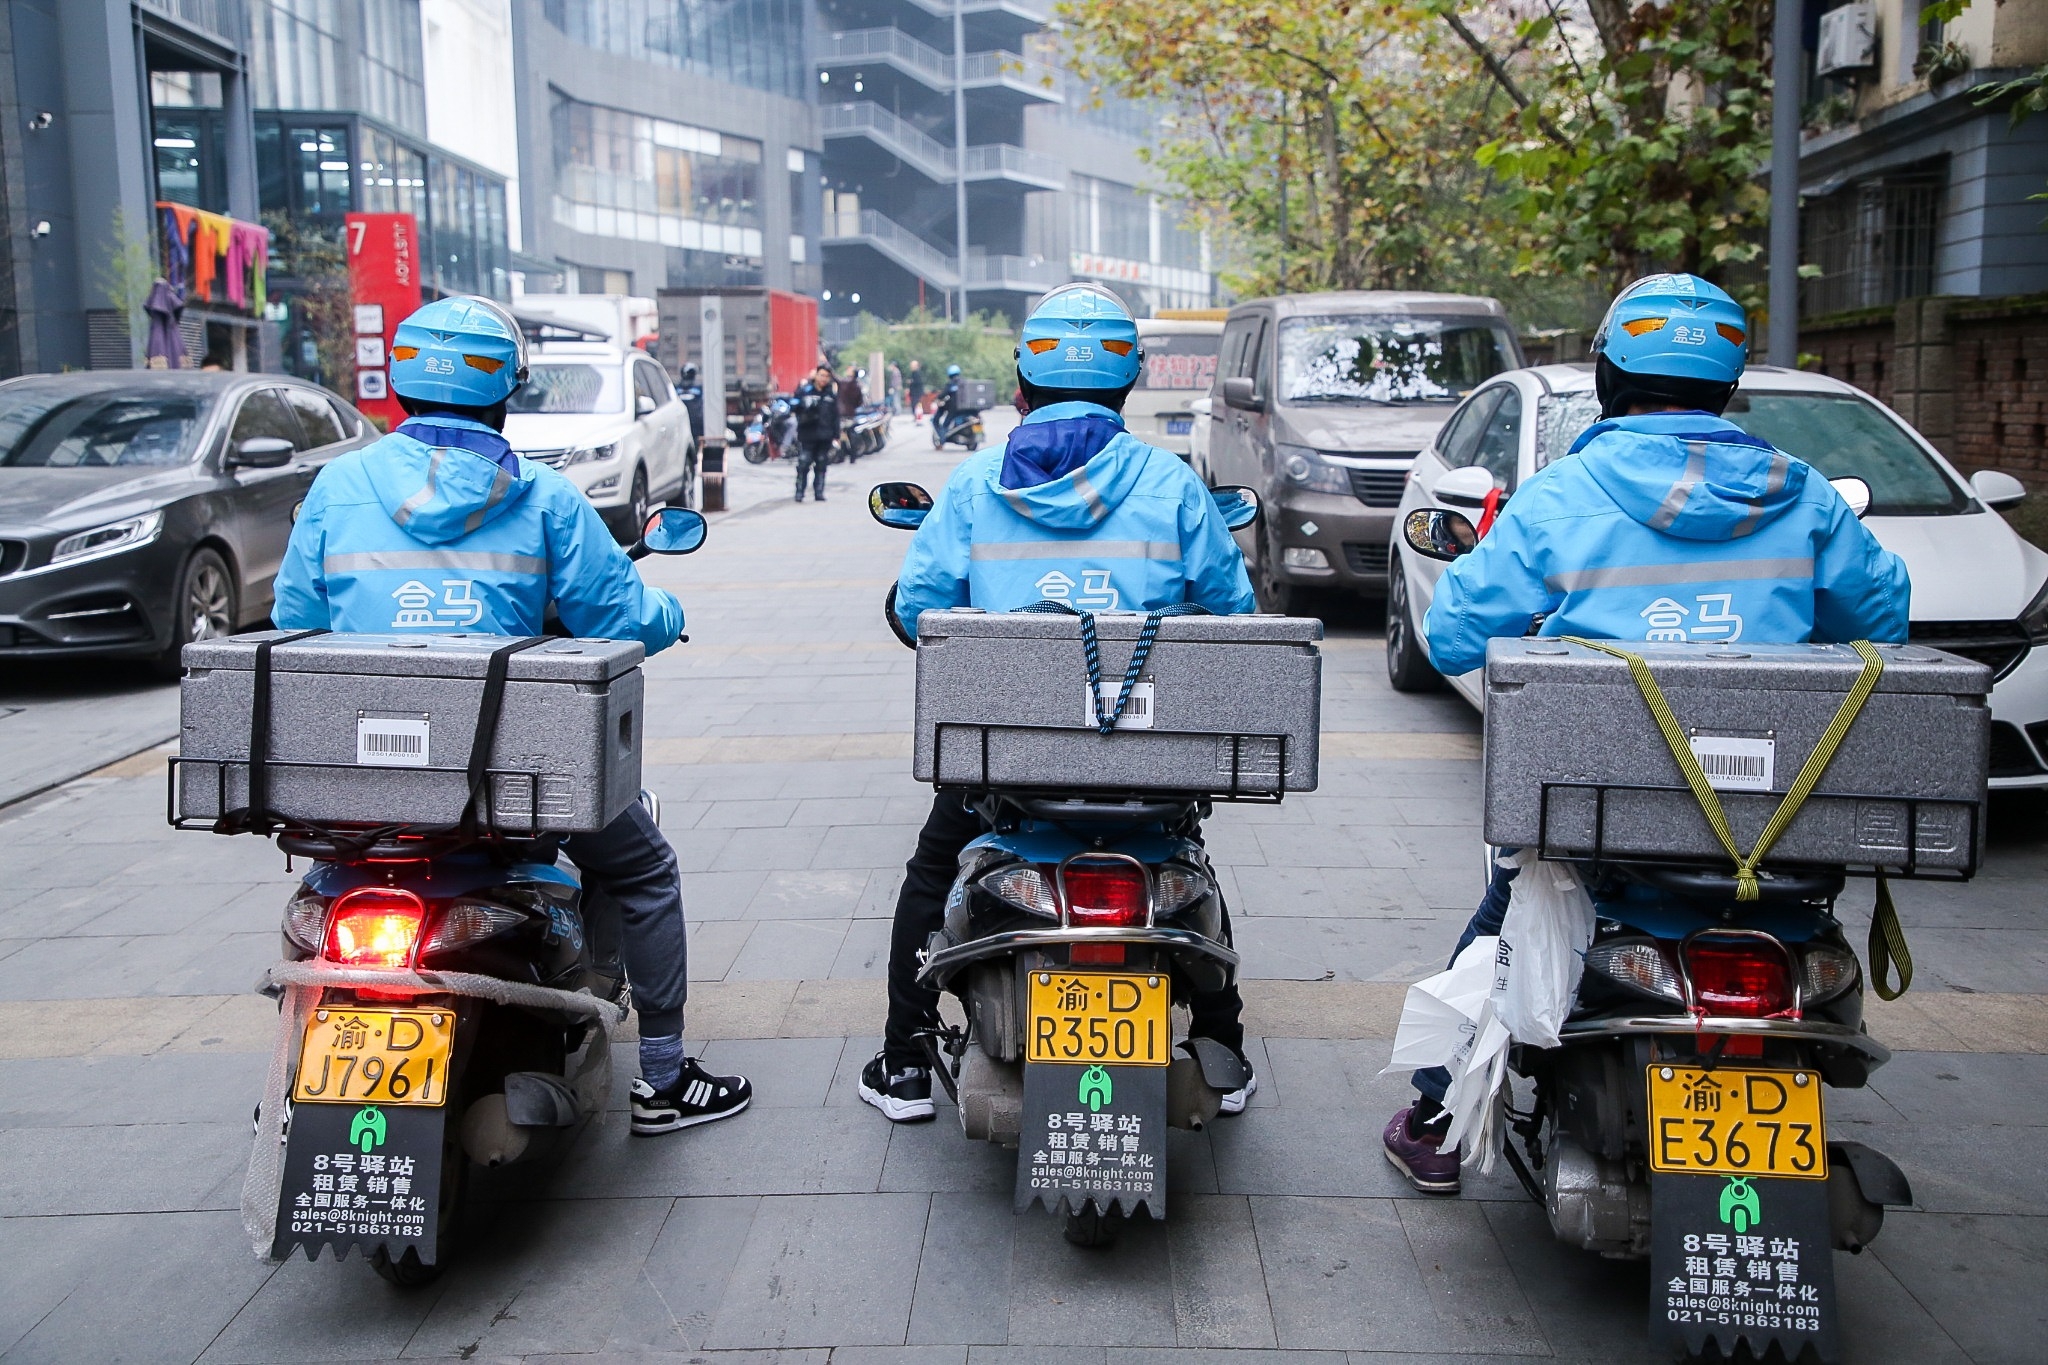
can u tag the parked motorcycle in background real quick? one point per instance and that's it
(1090, 908)
(770, 433)
(1675, 1112)
(447, 992)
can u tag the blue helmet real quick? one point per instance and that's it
(1677, 327)
(952, 372)
(462, 350)
(1080, 336)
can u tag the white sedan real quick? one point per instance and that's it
(610, 420)
(1978, 589)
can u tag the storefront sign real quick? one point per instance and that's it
(384, 284)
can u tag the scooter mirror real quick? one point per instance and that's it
(1437, 534)
(1238, 504)
(899, 506)
(674, 531)
(1854, 491)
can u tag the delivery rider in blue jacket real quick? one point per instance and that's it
(1666, 522)
(440, 527)
(1073, 509)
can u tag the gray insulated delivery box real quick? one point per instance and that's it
(377, 729)
(1227, 705)
(1570, 744)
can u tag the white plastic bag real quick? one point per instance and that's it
(1542, 951)
(1450, 1020)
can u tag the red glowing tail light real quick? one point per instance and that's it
(374, 926)
(1747, 978)
(1106, 895)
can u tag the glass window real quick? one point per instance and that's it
(1459, 443)
(1560, 419)
(645, 179)
(1180, 360)
(265, 414)
(652, 381)
(54, 428)
(565, 386)
(316, 419)
(755, 43)
(1388, 359)
(351, 424)
(1500, 438)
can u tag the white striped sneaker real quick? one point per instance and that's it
(696, 1097)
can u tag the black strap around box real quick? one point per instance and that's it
(256, 816)
(487, 727)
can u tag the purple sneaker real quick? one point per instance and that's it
(1421, 1158)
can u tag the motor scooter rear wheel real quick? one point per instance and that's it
(1091, 1227)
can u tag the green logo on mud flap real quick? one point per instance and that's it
(1095, 1089)
(367, 1131)
(1740, 1206)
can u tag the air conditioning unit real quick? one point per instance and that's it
(1848, 40)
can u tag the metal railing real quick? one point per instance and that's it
(890, 45)
(1000, 160)
(900, 139)
(1041, 10)
(999, 68)
(895, 241)
(1873, 242)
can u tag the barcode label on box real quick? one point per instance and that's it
(391, 743)
(1736, 765)
(1137, 711)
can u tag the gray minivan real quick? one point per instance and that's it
(1321, 403)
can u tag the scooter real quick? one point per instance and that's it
(446, 1000)
(956, 428)
(767, 435)
(1075, 924)
(1682, 1119)
(867, 433)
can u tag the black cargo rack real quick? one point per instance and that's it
(1599, 855)
(1236, 791)
(488, 825)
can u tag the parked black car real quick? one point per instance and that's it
(140, 510)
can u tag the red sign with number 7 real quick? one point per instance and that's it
(384, 286)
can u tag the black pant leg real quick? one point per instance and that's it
(634, 866)
(920, 911)
(1219, 1014)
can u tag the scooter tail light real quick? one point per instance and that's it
(1106, 895)
(374, 926)
(305, 919)
(1026, 888)
(467, 921)
(1743, 978)
(1828, 971)
(1639, 965)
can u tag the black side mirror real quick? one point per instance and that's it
(258, 452)
(1437, 534)
(674, 531)
(1242, 392)
(1238, 504)
(899, 506)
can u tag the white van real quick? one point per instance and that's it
(1180, 366)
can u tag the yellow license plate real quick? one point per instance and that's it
(353, 1056)
(1737, 1122)
(1110, 1018)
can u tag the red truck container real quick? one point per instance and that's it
(771, 337)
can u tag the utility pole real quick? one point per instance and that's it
(1787, 66)
(960, 156)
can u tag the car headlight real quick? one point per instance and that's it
(109, 539)
(1306, 469)
(2035, 618)
(604, 485)
(591, 455)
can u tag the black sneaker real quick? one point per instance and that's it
(1233, 1102)
(903, 1097)
(696, 1097)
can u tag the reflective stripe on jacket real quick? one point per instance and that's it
(403, 536)
(1671, 526)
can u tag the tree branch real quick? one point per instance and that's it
(1498, 70)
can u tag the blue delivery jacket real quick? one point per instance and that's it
(1125, 527)
(460, 535)
(1671, 526)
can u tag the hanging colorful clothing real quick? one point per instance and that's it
(166, 345)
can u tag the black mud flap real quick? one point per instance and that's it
(1736, 1260)
(1093, 1133)
(361, 1175)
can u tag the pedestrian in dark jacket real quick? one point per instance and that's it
(850, 396)
(915, 388)
(817, 429)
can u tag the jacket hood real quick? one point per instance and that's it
(1690, 475)
(1082, 498)
(1063, 438)
(438, 494)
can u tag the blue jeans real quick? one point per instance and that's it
(1433, 1082)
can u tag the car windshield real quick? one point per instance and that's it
(557, 386)
(1361, 358)
(1842, 435)
(48, 427)
(1180, 360)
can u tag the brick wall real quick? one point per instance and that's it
(1970, 374)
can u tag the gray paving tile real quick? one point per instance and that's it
(963, 1275)
(1883, 1321)
(1219, 1286)
(1479, 1306)
(1295, 948)
(778, 1151)
(133, 1168)
(1064, 1295)
(830, 894)
(733, 814)
(168, 1088)
(789, 950)
(937, 1156)
(1963, 1169)
(715, 945)
(1342, 1276)
(1959, 1088)
(1036, 1355)
(864, 955)
(678, 1288)
(1955, 1266)
(1304, 1150)
(720, 895)
(1584, 1306)
(771, 849)
(824, 1270)
(899, 1355)
(319, 1311)
(787, 1073)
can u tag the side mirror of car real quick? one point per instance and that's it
(1437, 534)
(1997, 489)
(1238, 504)
(643, 406)
(1466, 487)
(1855, 492)
(674, 531)
(1242, 392)
(899, 506)
(267, 452)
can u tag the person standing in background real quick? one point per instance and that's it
(914, 382)
(850, 395)
(894, 391)
(817, 428)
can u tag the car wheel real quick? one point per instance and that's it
(1275, 594)
(637, 506)
(1408, 666)
(205, 606)
(692, 491)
